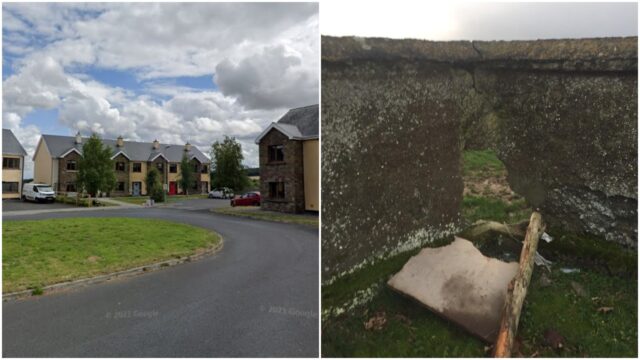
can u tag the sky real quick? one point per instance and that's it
(478, 21)
(176, 72)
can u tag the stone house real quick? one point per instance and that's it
(56, 163)
(12, 165)
(289, 162)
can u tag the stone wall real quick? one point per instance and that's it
(122, 176)
(390, 156)
(67, 176)
(290, 171)
(562, 115)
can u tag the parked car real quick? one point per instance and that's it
(247, 199)
(38, 192)
(221, 193)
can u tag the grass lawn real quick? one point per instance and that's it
(139, 200)
(43, 252)
(566, 303)
(255, 213)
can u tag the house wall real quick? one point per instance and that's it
(43, 165)
(13, 175)
(122, 176)
(165, 168)
(290, 171)
(310, 150)
(66, 176)
(138, 177)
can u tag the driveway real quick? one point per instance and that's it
(257, 297)
(19, 205)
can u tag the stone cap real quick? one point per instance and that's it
(596, 54)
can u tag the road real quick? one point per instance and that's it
(257, 297)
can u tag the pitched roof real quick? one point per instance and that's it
(135, 151)
(11, 145)
(297, 124)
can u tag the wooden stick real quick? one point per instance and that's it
(517, 290)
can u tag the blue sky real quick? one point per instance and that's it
(177, 72)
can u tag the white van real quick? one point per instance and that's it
(38, 192)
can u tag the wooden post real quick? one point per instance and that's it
(517, 290)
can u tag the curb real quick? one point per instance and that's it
(118, 274)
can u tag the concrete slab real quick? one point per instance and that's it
(459, 283)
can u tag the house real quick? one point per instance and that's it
(56, 163)
(289, 162)
(12, 165)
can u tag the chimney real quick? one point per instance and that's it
(187, 147)
(120, 141)
(156, 144)
(78, 138)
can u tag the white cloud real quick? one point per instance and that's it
(55, 44)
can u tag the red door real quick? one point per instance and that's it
(173, 188)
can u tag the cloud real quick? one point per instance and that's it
(272, 79)
(53, 48)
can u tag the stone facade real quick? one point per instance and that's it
(122, 176)
(66, 177)
(290, 171)
(390, 159)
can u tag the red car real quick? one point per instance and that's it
(247, 199)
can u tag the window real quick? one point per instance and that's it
(120, 166)
(160, 166)
(195, 167)
(72, 165)
(195, 185)
(205, 169)
(9, 187)
(120, 186)
(71, 187)
(276, 190)
(10, 163)
(276, 153)
(137, 167)
(173, 168)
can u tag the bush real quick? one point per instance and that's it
(154, 185)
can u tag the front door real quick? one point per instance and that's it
(173, 188)
(136, 188)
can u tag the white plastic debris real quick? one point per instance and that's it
(541, 261)
(546, 237)
(569, 270)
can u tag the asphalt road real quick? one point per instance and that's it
(19, 205)
(257, 297)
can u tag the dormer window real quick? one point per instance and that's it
(276, 153)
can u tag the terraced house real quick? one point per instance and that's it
(56, 163)
(12, 165)
(289, 162)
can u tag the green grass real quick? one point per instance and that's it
(136, 200)
(139, 200)
(483, 162)
(476, 208)
(43, 252)
(414, 331)
(254, 212)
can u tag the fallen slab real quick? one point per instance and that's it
(459, 283)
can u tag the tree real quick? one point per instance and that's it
(227, 165)
(187, 176)
(154, 185)
(95, 168)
